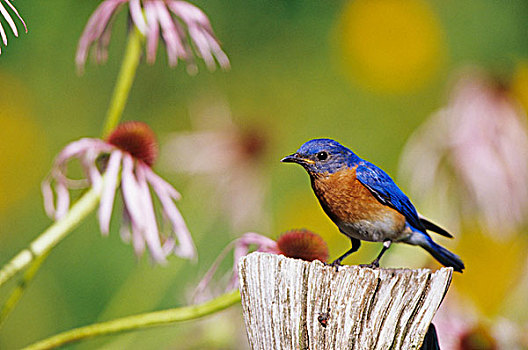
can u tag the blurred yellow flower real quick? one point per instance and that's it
(520, 84)
(492, 269)
(22, 145)
(392, 46)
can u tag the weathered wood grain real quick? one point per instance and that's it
(288, 302)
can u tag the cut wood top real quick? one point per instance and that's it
(294, 304)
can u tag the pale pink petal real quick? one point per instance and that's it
(86, 150)
(153, 32)
(63, 199)
(137, 16)
(217, 147)
(109, 190)
(203, 47)
(264, 244)
(132, 201)
(124, 231)
(217, 51)
(138, 240)
(90, 168)
(151, 230)
(173, 42)
(49, 200)
(95, 28)
(206, 279)
(201, 33)
(79, 147)
(186, 248)
(2, 33)
(101, 46)
(131, 192)
(242, 245)
(163, 185)
(168, 245)
(16, 12)
(8, 19)
(189, 13)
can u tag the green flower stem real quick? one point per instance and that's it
(39, 249)
(53, 235)
(136, 322)
(124, 81)
(24, 282)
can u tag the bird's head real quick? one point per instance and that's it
(322, 155)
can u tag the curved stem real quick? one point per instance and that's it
(53, 235)
(38, 250)
(24, 282)
(124, 81)
(151, 319)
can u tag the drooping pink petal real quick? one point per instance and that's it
(151, 230)
(153, 32)
(168, 245)
(163, 185)
(186, 248)
(109, 190)
(90, 168)
(59, 207)
(2, 33)
(189, 13)
(264, 244)
(137, 16)
(201, 33)
(201, 43)
(241, 248)
(16, 12)
(63, 199)
(138, 239)
(170, 33)
(131, 193)
(125, 229)
(217, 51)
(95, 28)
(132, 200)
(101, 44)
(206, 279)
(49, 198)
(76, 148)
(9, 20)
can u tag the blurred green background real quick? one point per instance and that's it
(364, 73)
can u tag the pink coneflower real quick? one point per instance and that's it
(227, 162)
(10, 21)
(476, 150)
(185, 30)
(124, 159)
(297, 244)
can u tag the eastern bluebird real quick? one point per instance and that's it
(365, 203)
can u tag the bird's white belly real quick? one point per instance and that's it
(373, 231)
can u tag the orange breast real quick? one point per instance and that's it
(346, 200)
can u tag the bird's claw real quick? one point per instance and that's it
(336, 264)
(372, 265)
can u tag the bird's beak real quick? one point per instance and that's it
(296, 158)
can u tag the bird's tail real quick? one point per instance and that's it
(444, 256)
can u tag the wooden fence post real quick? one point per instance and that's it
(293, 304)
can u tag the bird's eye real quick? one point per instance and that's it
(322, 155)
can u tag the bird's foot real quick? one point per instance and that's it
(372, 265)
(336, 264)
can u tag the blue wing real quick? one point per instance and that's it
(387, 192)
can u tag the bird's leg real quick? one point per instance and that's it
(375, 263)
(355, 246)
